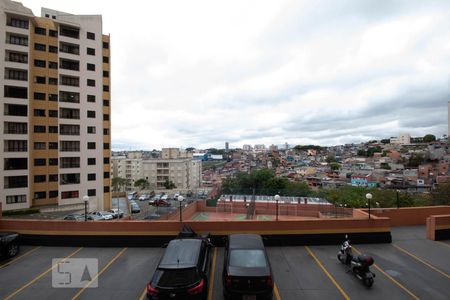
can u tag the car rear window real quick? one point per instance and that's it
(175, 277)
(249, 258)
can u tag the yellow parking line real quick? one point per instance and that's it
(422, 261)
(142, 297)
(41, 275)
(99, 273)
(327, 273)
(19, 257)
(391, 278)
(275, 291)
(212, 275)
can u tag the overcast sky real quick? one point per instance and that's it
(200, 73)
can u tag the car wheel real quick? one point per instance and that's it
(12, 249)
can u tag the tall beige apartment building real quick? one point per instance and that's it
(55, 110)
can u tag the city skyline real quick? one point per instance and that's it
(201, 73)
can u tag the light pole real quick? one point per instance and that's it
(180, 200)
(86, 200)
(369, 197)
(277, 198)
(398, 199)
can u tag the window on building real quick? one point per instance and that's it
(39, 112)
(91, 82)
(53, 81)
(39, 162)
(70, 80)
(15, 128)
(69, 48)
(70, 97)
(39, 63)
(15, 92)
(53, 194)
(65, 129)
(91, 177)
(12, 182)
(16, 199)
(90, 98)
(70, 146)
(68, 31)
(16, 163)
(105, 45)
(17, 57)
(90, 35)
(15, 110)
(106, 174)
(40, 30)
(53, 113)
(90, 51)
(40, 195)
(69, 64)
(106, 59)
(69, 162)
(52, 129)
(69, 195)
(105, 102)
(69, 113)
(53, 177)
(91, 113)
(91, 129)
(52, 97)
(53, 145)
(52, 65)
(92, 192)
(106, 74)
(106, 160)
(53, 33)
(106, 88)
(39, 47)
(52, 49)
(39, 79)
(15, 146)
(16, 74)
(52, 161)
(105, 117)
(70, 178)
(91, 67)
(91, 145)
(40, 178)
(39, 96)
(106, 189)
(18, 40)
(105, 146)
(40, 146)
(19, 23)
(39, 129)
(105, 131)
(91, 161)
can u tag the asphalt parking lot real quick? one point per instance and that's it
(409, 268)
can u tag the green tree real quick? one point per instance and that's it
(142, 183)
(331, 159)
(372, 150)
(441, 195)
(168, 184)
(335, 166)
(118, 183)
(415, 160)
(429, 138)
(190, 149)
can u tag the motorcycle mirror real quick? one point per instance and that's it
(346, 236)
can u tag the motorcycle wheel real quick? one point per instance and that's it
(368, 282)
(339, 257)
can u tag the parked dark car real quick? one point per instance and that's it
(160, 202)
(9, 244)
(74, 217)
(134, 207)
(182, 272)
(246, 273)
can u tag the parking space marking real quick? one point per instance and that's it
(276, 293)
(19, 257)
(99, 273)
(142, 297)
(391, 278)
(212, 274)
(421, 260)
(344, 294)
(42, 274)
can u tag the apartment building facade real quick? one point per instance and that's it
(55, 109)
(185, 173)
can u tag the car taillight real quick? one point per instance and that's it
(228, 280)
(197, 289)
(269, 281)
(151, 290)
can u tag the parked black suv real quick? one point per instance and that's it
(9, 244)
(183, 270)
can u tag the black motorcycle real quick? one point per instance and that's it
(359, 265)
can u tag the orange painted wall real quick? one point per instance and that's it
(434, 223)
(406, 216)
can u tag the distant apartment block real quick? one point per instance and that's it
(184, 172)
(55, 110)
(402, 139)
